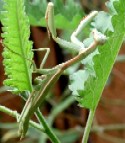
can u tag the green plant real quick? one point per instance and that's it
(98, 64)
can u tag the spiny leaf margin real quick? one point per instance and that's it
(17, 52)
(103, 62)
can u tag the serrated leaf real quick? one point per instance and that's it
(17, 52)
(69, 13)
(111, 7)
(89, 96)
(100, 20)
(80, 77)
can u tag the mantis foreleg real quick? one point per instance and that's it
(75, 43)
(80, 27)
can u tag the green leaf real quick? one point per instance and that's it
(69, 13)
(17, 47)
(103, 62)
(100, 20)
(81, 76)
(1, 7)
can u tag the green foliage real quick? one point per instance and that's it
(1, 7)
(69, 13)
(17, 48)
(99, 71)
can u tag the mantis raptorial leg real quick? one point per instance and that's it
(36, 98)
(75, 43)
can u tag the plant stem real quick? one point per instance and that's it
(111, 138)
(41, 120)
(88, 126)
(16, 115)
(48, 130)
(61, 106)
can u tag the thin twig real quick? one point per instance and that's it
(17, 115)
(48, 130)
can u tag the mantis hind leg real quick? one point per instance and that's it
(41, 70)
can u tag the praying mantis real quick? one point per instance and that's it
(50, 76)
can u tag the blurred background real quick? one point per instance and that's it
(109, 122)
